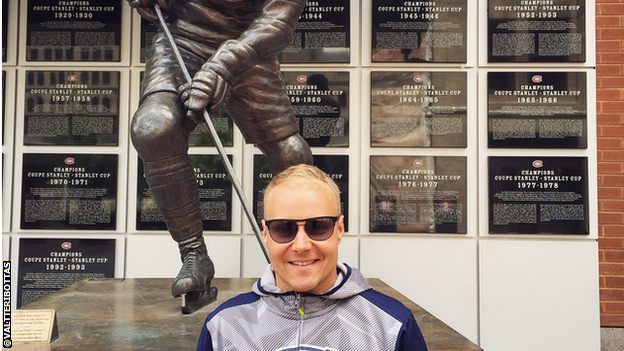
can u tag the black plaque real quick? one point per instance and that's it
(148, 31)
(321, 104)
(418, 109)
(418, 194)
(322, 34)
(5, 27)
(224, 126)
(536, 31)
(73, 30)
(336, 166)
(419, 31)
(215, 193)
(537, 110)
(61, 191)
(538, 195)
(71, 108)
(48, 265)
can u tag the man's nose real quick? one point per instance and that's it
(302, 240)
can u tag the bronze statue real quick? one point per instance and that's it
(230, 48)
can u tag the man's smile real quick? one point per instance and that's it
(303, 263)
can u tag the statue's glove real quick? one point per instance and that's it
(211, 85)
(208, 90)
(146, 8)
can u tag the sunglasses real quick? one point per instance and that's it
(285, 230)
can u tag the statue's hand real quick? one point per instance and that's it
(146, 8)
(208, 90)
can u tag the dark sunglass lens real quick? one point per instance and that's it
(319, 228)
(283, 231)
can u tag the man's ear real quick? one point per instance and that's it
(341, 228)
(265, 233)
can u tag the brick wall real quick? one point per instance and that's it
(610, 124)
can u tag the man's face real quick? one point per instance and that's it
(303, 265)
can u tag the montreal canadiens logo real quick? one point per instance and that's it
(537, 78)
(66, 245)
(538, 163)
(70, 161)
(302, 79)
(418, 163)
(419, 78)
(72, 78)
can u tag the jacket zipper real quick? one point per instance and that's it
(301, 314)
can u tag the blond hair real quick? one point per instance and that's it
(303, 176)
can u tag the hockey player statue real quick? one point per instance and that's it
(230, 48)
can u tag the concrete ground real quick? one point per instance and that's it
(612, 339)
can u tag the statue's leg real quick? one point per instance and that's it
(160, 134)
(262, 111)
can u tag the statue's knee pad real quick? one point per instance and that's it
(157, 130)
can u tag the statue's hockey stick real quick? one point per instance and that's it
(217, 141)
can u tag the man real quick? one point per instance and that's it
(231, 48)
(307, 300)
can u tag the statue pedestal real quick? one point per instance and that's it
(140, 314)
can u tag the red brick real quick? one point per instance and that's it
(606, 243)
(606, 82)
(611, 33)
(617, 130)
(612, 269)
(611, 295)
(607, 21)
(609, 143)
(609, 167)
(609, 320)
(609, 118)
(608, 94)
(609, 57)
(612, 9)
(610, 193)
(614, 282)
(612, 106)
(611, 217)
(613, 205)
(614, 180)
(613, 255)
(611, 155)
(609, 70)
(614, 307)
(613, 230)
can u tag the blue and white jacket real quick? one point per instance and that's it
(350, 316)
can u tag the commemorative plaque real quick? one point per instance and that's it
(536, 31)
(148, 31)
(49, 265)
(321, 34)
(419, 31)
(418, 109)
(538, 195)
(69, 192)
(73, 30)
(336, 166)
(215, 193)
(321, 104)
(537, 110)
(71, 108)
(418, 194)
(5, 27)
(224, 126)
